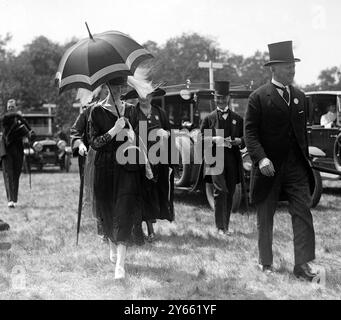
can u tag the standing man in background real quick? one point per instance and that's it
(231, 126)
(276, 138)
(79, 134)
(15, 133)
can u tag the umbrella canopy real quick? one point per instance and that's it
(98, 59)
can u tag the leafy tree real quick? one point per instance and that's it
(328, 79)
(178, 59)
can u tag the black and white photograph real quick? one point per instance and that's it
(170, 151)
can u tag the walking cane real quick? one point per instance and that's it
(28, 162)
(80, 199)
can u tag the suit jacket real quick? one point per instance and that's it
(211, 121)
(267, 123)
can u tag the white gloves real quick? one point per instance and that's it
(82, 150)
(266, 167)
(162, 133)
(119, 125)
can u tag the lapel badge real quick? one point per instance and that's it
(296, 101)
(234, 122)
(157, 117)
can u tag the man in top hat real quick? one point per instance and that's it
(229, 137)
(275, 136)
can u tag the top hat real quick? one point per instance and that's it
(158, 92)
(281, 52)
(11, 103)
(221, 88)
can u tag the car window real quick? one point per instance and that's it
(321, 105)
(39, 125)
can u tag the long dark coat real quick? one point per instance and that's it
(267, 123)
(236, 124)
(117, 187)
(158, 193)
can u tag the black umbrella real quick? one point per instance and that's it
(95, 61)
(98, 59)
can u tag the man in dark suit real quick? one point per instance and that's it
(276, 138)
(79, 134)
(227, 132)
(16, 131)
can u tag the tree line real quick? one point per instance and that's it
(29, 75)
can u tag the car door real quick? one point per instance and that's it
(319, 136)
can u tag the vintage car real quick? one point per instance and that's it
(186, 105)
(45, 150)
(324, 130)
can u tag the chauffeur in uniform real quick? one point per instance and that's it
(276, 138)
(231, 139)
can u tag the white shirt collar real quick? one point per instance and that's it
(278, 84)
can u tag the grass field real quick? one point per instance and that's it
(187, 261)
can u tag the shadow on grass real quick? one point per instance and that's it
(332, 191)
(194, 239)
(191, 198)
(184, 285)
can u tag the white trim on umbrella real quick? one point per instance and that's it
(101, 73)
(134, 55)
(95, 77)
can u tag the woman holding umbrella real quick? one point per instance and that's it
(108, 58)
(117, 187)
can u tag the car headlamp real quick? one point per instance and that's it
(61, 145)
(37, 146)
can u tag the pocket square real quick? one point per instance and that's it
(301, 111)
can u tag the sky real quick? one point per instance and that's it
(240, 26)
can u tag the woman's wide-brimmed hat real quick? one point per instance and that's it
(281, 52)
(158, 92)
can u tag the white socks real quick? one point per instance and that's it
(121, 255)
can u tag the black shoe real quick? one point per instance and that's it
(3, 226)
(266, 268)
(150, 237)
(304, 272)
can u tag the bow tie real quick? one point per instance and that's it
(224, 111)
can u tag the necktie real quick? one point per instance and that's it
(285, 93)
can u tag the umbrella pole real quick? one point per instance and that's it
(112, 95)
(80, 199)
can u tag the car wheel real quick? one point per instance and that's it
(337, 153)
(67, 163)
(182, 174)
(316, 196)
(182, 171)
(25, 167)
(237, 197)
